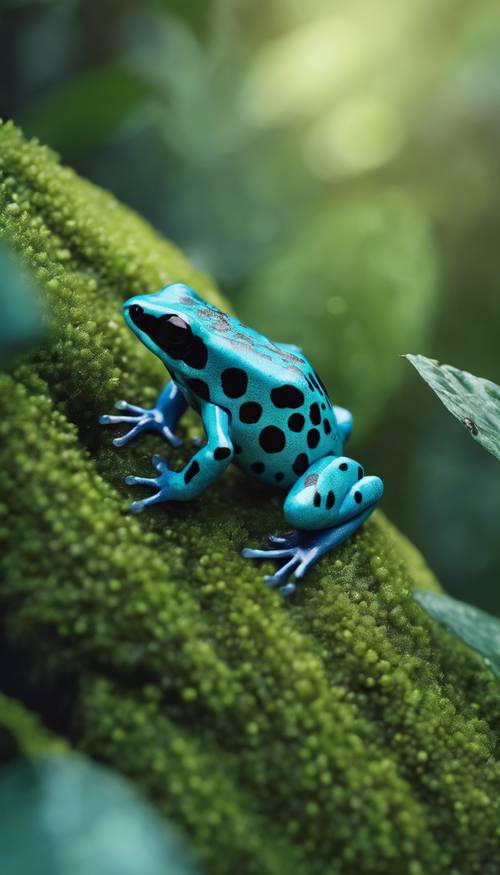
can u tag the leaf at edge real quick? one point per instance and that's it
(472, 400)
(475, 627)
(21, 321)
(86, 109)
(65, 814)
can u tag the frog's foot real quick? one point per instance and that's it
(326, 505)
(143, 419)
(302, 549)
(298, 553)
(162, 484)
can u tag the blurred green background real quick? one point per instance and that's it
(334, 166)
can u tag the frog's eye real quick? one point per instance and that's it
(174, 330)
(172, 334)
(170, 328)
(135, 312)
(177, 322)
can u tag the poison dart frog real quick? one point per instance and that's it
(264, 409)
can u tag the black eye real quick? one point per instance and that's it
(136, 313)
(173, 329)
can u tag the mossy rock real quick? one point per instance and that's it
(341, 732)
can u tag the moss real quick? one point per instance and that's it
(22, 734)
(343, 732)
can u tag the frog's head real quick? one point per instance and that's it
(168, 322)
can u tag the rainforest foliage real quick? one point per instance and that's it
(341, 732)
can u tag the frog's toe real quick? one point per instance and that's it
(158, 497)
(288, 539)
(280, 577)
(159, 463)
(140, 481)
(172, 438)
(138, 506)
(271, 580)
(140, 420)
(131, 434)
(298, 553)
(249, 553)
(105, 419)
(131, 408)
(295, 563)
(160, 484)
(136, 422)
(288, 589)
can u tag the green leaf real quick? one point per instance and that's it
(478, 629)
(199, 16)
(21, 320)
(87, 109)
(82, 819)
(472, 400)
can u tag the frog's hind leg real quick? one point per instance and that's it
(326, 505)
(344, 422)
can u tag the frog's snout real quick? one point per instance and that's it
(135, 312)
(135, 316)
(131, 305)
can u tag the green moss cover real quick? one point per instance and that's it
(344, 732)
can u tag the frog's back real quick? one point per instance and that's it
(282, 419)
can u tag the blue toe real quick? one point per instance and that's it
(288, 589)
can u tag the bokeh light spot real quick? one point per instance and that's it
(363, 132)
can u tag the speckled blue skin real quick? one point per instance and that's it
(263, 408)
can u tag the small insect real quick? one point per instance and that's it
(471, 425)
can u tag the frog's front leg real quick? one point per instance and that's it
(326, 505)
(162, 418)
(201, 470)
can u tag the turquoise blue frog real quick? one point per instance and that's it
(263, 408)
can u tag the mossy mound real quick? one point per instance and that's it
(342, 732)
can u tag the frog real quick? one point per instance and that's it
(264, 409)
